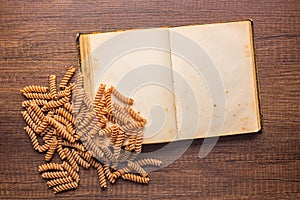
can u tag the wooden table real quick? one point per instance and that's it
(37, 38)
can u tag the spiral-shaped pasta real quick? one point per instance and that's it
(34, 117)
(94, 163)
(67, 77)
(99, 94)
(54, 175)
(86, 120)
(136, 167)
(101, 114)
(109, 175)
(50, 132)
(33, 138)
(33, 95)
(40, 102)
(44, 147)
(118, 144)
(88, 103)
(71, 159)
(76, 137)
(71, 171)
(58, 132)
(70, 87)
(119, 108)
(124, 155)
(88, 157)
(59, 181)
(131, 143)
(121, 118)
(121, 97)
(52, 86)
(120, 172)
(66, 186)
(111, 118)
(101, 176)
(135, 178)
(114, 133)
(92, 147)
(79, 118)
(68, 106)
(64, 121)
(64, 93)
(92, 125)
(107, 152)
(34, 108)
(136, 116)
(130, 127)
(60, 149)
(29, 121)
(57, 103)
(34, 88)
(43, 125)
(80, 160)
(100, 105)
(79, 80)
(66, 114)
(50, 166)
(76, 145)
(102, 122)
(51, 150)
(107, 131)
(107, 96)
(60, 129)
(149, 161)
(78, 100)
(95, 129)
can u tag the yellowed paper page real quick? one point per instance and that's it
(137, 63)
(218, 62)
(189, 82)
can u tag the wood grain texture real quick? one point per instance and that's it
(37, 38)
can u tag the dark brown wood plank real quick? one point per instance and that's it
(38, 38)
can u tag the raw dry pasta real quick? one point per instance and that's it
(136, 178)
(64, 82)
(79, 132)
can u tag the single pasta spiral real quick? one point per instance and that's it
(52, 85)
(149, 161)
(59, 181)
(101, 176)
(51, 150)
(50, 166)
(71, 171)
(34, 88)
(34, 95)
(64, 82)
(66, 186)
(99, 93)
(80, 160)
(54, 175)
(121, 97)
(136, 167)
(135, 178)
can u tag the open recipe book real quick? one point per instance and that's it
(189, 82)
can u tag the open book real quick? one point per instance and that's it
(189, 82)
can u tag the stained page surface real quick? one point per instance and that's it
(138, 64)
(217, 61)
(189, 82)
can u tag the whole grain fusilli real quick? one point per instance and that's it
(84, 133)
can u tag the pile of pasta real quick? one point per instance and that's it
(104, 133)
